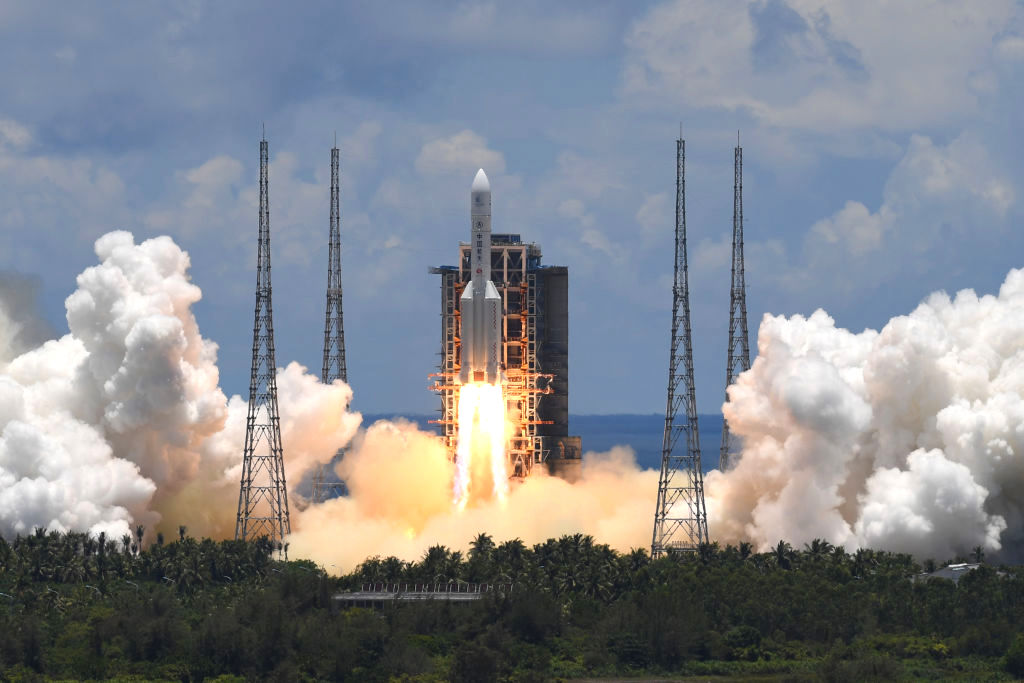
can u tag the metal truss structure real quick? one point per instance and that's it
(739, 342)
(324, 484)
(263, 491)
(680, 517)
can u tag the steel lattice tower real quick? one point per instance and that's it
(334, 324)
(739, 341)
(680, 518)
(263, 492)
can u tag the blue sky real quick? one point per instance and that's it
(882, 162)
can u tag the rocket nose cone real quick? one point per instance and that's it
(480, 182)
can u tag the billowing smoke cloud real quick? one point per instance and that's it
(400, 481)
(910, 439)
(122, 421)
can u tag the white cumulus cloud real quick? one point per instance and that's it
(463, 153)
(820, 64)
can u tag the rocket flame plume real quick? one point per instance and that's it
(493, 423)
(464, 447)
(481, 434)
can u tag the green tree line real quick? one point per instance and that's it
(79, 607)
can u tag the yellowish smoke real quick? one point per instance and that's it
(480, 450)
(400, 502)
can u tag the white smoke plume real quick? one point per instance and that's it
(122, 421)
(910, 439)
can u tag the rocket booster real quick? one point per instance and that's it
(480, 306)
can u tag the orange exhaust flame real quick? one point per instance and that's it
(480, 449)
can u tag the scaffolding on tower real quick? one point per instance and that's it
(521, 282)
(263, 491)
(738, 360)
(680, 517)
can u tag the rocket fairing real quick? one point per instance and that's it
(480, 305)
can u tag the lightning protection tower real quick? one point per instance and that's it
(739, 342)
(263, 493)
(680, 518)
(324, 484)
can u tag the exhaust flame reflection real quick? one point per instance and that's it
(480, 449)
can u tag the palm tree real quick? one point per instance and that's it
(600, 573)
(453, 566)
(101, 555)
(745, 549)
(707, 552)
(978, 554)
(783, 554)
(139, 531)
(637, 559)
(393, 568)
(181, 533)
(480, 550)
(5, 554)
(817, 549)
(481, 546)
(510, 556)
(433, 564)
(863, 559)
(189, 574)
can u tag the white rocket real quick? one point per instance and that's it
(481, 304)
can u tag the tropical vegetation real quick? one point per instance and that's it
(74, 606)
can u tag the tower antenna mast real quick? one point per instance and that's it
(739, 342)
(324, 484)
(263, 491)
(680, 518)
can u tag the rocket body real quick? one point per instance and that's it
(480, 306)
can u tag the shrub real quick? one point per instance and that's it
(744, 642)
(1013, 661)
(474, 663)
(866, 667)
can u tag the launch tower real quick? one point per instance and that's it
(534, 354)
(325, 485)
(739, 344)
(263, 491)
(680, 518)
